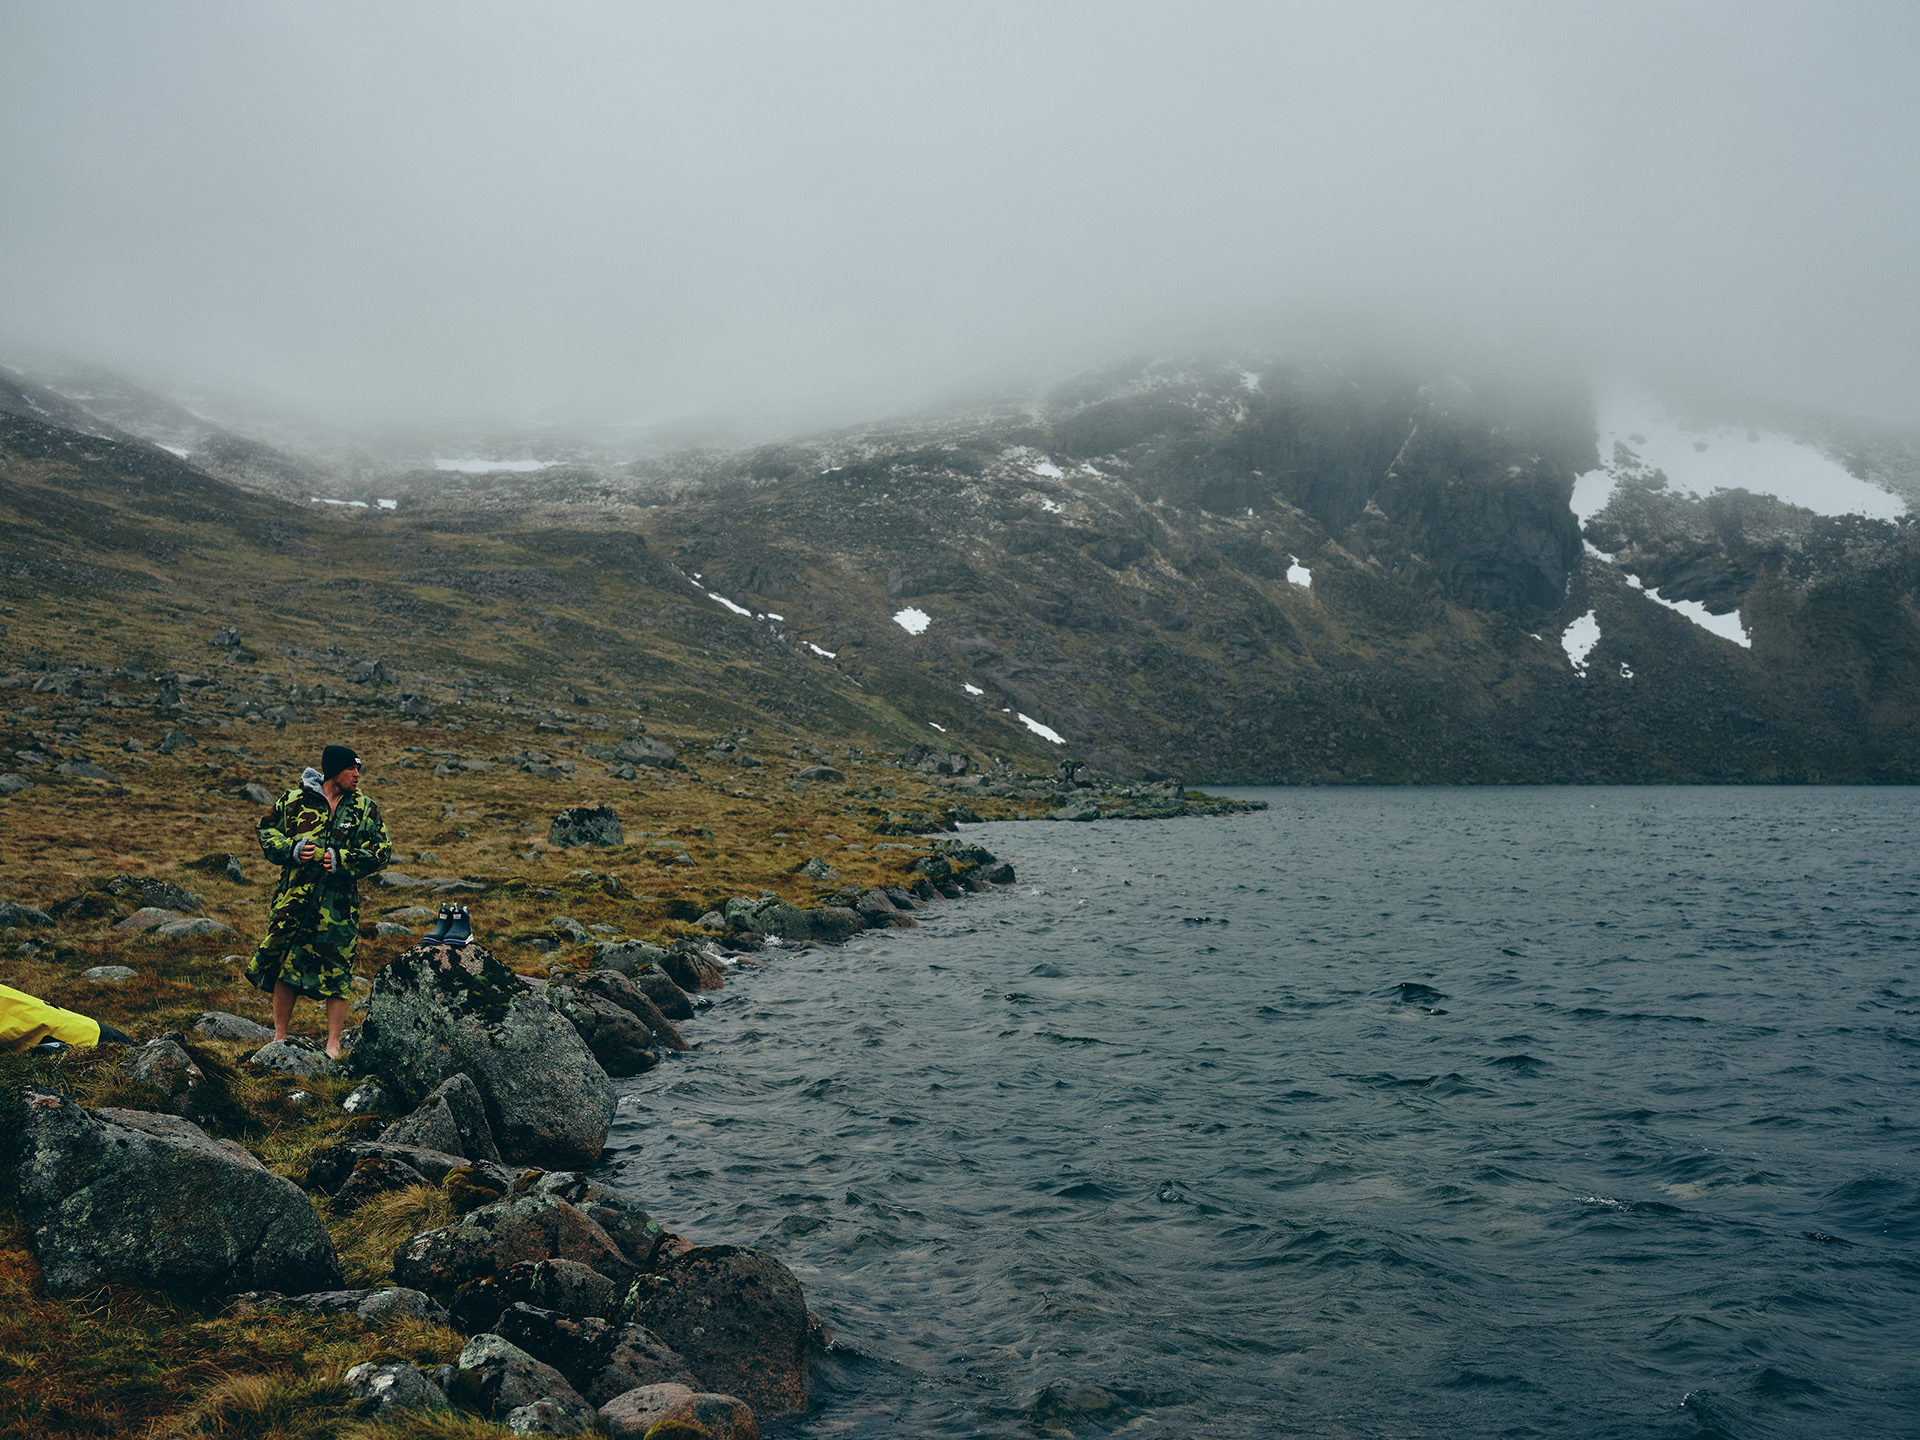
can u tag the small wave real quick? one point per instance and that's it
(1059, 1039)
(1086, 1190)
(1482, 1380)
(1411, 992)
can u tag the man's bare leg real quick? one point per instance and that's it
(282, 1008)
(337, 1008)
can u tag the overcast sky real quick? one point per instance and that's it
(643, 212)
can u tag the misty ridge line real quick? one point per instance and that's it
(796, 219)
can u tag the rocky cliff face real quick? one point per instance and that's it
(1271, 571)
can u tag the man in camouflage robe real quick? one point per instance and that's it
(324, 835)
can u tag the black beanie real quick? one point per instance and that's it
(336, 758)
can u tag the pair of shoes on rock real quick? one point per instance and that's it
(452, 926)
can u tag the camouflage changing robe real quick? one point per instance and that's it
(314, 924)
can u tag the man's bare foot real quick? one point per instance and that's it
(334, 1052)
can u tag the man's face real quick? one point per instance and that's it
(348, 779)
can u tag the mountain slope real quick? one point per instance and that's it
(1307, 569)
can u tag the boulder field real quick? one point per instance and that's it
(586, 1314)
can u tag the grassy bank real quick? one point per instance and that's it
(119, 1362)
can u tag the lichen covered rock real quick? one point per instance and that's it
(168, 1207)
(438, 1011)
(490, 1240)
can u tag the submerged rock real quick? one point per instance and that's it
(619, 1040)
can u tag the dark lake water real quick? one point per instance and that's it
(1571, 1112)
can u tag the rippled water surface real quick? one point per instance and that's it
(1382, 1113)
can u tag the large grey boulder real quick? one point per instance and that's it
(492, 1239)
(505, 1384)
(452, 1119)
(678, 1411)
(639, 750)
(438, 1011)
(770, 915)
(739, 1319)
(585, 825)
(166, 1206)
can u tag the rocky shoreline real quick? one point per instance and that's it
(490, 1093)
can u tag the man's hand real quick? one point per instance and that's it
(303, 851)
(330, 861)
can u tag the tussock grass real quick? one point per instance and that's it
(118, 1362)
(368, 1238)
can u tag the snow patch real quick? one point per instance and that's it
(1580, 638)
(913, 620)
(971, 689)
(319, 500)
(941, 728)
(1727, 627)
(480, 467)
(388, 504)
(176, 450)
(1249, 379)
(772, 616)
(828, 654)
(1045, 732)
(1048, 469)
(1639, 436)
(1052, 507)
(1297, 573)
(736, 609)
